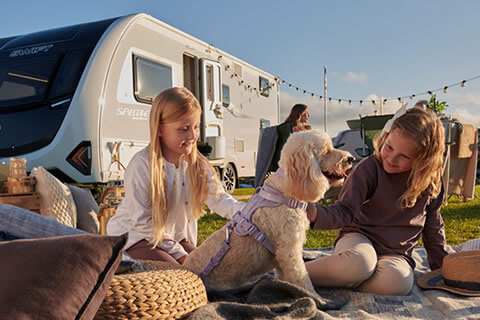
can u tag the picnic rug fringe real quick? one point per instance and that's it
(158, 291)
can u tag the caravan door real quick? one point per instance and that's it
(212, 116)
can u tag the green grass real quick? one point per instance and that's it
(462, 219)
(243, 191)
(462, 223)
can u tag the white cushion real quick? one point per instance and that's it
(56, 199)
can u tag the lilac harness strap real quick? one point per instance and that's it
(241, 222)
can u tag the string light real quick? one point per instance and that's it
(400, 99)
(282, 81)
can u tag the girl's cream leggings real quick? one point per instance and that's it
(354, 264)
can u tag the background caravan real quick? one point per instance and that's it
(76, 100)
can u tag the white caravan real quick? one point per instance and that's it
(76, 100)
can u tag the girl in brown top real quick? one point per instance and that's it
(388, 202)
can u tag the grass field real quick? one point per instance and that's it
(462, 223)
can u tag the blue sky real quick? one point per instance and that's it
(371, 48)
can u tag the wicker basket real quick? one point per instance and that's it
(164, 291)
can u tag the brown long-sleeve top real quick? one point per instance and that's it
(369, 204)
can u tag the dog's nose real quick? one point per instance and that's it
(350, 160)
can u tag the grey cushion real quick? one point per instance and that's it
(87, 209)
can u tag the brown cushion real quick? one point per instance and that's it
(57, 278)
(87, 209)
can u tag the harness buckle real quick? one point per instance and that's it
(242, 226)
(228, 234)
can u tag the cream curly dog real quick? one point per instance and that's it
(309, 165)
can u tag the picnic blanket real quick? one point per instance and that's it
(268, 298)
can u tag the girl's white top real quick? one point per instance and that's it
(134, 215)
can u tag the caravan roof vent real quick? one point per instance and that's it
(237, 69)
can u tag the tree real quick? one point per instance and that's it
(437, 106)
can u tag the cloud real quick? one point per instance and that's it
(356, 77)
(464, 106)
(351, 77)
(464, 99)
(465, 116)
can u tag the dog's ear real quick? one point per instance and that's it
(305, 180)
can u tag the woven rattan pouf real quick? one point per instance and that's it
(164, 291)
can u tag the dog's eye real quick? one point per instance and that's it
(325, 152)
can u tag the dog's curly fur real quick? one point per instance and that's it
(310, 166)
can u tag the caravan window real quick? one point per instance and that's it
(150, 78)
(225, 95)
(264, 86)
(26, 80)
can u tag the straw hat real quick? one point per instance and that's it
(459, 274)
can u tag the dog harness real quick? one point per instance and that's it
(241, 222)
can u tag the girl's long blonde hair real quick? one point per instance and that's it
(173, 105)
(425, 128)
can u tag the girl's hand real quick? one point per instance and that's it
(311, 212)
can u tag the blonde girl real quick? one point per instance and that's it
(388, 202)
(167, 183)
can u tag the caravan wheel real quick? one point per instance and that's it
(229, 178)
